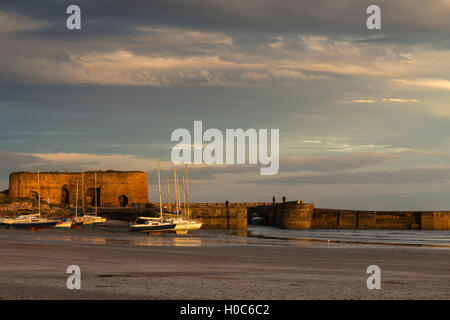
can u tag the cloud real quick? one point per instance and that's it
(411, 19)
(348, 161)
(11, 161)
(431, 83)
(155, 46)
(84, 161)
(109, 95)
(381, 100)
(401, 176)
(359, 101)
(399, 100)
(12, 22)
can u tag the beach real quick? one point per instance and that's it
(212, 264)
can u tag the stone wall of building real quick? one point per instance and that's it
(114, 188)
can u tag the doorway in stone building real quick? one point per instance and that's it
(65, 196)
(33, 195)
(91, 196)
(123, 201)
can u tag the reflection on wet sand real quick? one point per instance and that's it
(176, 242)
(117, 233)
(144, 241)
(93, 240)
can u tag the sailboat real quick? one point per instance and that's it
(34, 222)
(91, 219)
(68, 223)
(152, 225)
(76, 224)
(185, 224)
(8, 221)
(64, 223)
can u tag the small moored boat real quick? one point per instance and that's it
(8, 221)
(185, 225)
(257, 221)
(152, 225)
(64, 224)
(88, 219)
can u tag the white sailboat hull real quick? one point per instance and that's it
(64, 224)
(22, 218)
(90, 220)
(187, 225)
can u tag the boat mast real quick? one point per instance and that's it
(76, 202)
(184, 197)
(95, 188)
(39, 194)
(160, 193)
(176, 189)
(168, 195)
(82, 190)
(187, 193)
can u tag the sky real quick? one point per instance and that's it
(364, 115)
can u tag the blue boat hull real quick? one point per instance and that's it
(34, 225)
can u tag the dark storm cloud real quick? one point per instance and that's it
(404, 21)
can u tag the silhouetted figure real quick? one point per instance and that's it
(284, 199)
(227, 203)
(273, 199)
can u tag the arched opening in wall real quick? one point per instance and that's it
(33, 195)
(91, 197)
(123, 201)
(65, 196)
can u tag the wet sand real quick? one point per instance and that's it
(211, 265)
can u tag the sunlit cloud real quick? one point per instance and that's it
(359, 101)
(10, 22)
(399, 100)
(443, 84)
